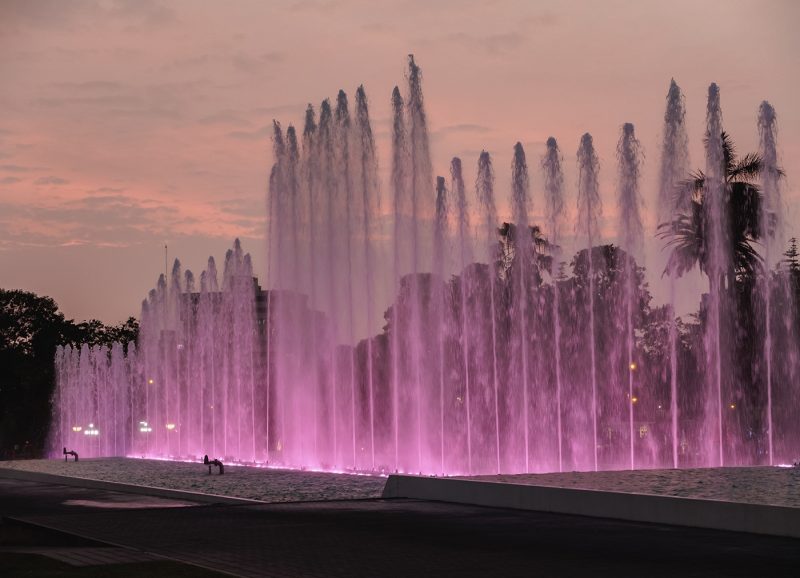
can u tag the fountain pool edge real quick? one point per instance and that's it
(670, 510)
(125, 488)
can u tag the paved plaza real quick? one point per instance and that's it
(387, 537)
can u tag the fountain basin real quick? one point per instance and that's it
(759, 500)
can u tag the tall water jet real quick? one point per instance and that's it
(401, 206)
(484, 188)
(589, 210)
(369, 197)
(172, 394)
(313, 185)
(204, 351)
(420, 181)
(343, 143)
(714, 207)
(189, 331)
(420, 174)
(674, 168)
(438, 295)
(277, 201)
(632, 240)
(238, 308)
(555, 214)
(212, 336)
(275, 265)
(461, 378)
(464, 258)
(292, 176)
(771, 229)
(331, 190)
(520, 201)
(673, 199)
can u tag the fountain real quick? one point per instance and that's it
(672, 198)
(428, 334)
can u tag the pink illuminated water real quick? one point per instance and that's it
(406, 327)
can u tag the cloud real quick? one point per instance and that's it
(545, 19)
(115, 219)
(144, 13)
(298, 109)
(188, 62)
(50, 181)
(315, 6)
(157, 101)
(99, 220)
(462, 128)
(492, 44)
(106, 190)
(263, 132)
(19, 169)
(135, 15)
(103, 101)
(252, 64)
(90, 85)
(16, 14)
(9, 180)
(250, 207)
(229, 117)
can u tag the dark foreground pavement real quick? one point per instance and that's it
(393, 538)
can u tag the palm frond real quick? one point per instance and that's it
(695, 183)
(728, 152)
(685, 236)
(746, 202)
(747, 261)
(684, 192)
(748, 168)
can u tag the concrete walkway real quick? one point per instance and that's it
(396, 538)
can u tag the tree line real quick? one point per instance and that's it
(31, 327)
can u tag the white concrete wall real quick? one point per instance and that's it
(718, 515)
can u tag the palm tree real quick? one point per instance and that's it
(687, 233)
(540, 250)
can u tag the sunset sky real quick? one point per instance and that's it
(125, 125)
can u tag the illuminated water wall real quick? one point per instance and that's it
(406, 326)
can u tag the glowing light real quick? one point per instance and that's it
(459, 400)
(91, 430)
(632, 366)
(733, 406)
(150, 381)
(76, 428)
(144, 428)
(634, 399)
(170, 426)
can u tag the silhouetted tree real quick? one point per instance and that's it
(31, 327)
(687, 233)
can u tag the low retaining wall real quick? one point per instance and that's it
(125, 488)
(699, 513)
